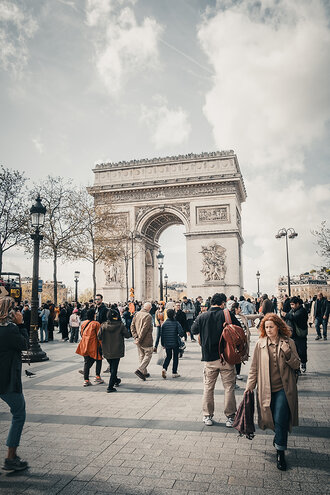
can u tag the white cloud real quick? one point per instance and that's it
(38, 144)
(16, 27)
(269, 101)
(168, 126)
(123, 46)
(270, 95)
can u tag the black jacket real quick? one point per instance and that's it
(321, 308)
(210, 325)
(13, 340)
(180, 316)
(101, 313)
(170, 331)
(299, 317)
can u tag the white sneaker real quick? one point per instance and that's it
(239, 377)
(208, 420)
(229, 422)
(175, 375)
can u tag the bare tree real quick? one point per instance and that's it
(62, 223)
(14, 214)
(322, 235)
(101, 232)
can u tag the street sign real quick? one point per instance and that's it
(39, 285)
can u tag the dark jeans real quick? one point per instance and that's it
(89, 361)
(189, 324)
(16, 403)
(74, 332)
(169, 352)
(281, 417)
(238, 368)
(319, 321)
(158, 334)
(301, 344)
(113, 365)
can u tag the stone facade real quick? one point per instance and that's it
(203, 192)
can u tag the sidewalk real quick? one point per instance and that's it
(149, 438)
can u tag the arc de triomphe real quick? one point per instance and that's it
(203, 192)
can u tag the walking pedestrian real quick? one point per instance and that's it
(321, 316)
(13, 340)
(111, 335)
(44, 315)
(171, 335)
(209, 327)
(273, 366)
(188, 308)
(101, 310)
(297, 320)
(63, 320)
(90, 348)
(159, 320)
(244, 324)
(74, 323)
(141, 330)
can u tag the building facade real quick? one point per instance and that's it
(306, 285)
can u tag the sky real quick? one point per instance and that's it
(89, 81)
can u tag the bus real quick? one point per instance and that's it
(11, 285)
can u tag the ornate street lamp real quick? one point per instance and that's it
(76, 280)
(166, 280)
(258, 280)
(160, 259)
(35, 353)
(291, 233)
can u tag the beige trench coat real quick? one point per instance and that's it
(259, 374)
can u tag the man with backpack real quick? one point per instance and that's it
(209, 327)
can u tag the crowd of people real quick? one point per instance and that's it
(100, 330)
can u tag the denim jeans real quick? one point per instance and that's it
(169, 352)
(16, 403)
(321, 321)
(74, 331)
(281, 417)
(113, 365)
(44, 329)
(158, 334)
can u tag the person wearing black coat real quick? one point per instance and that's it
(321, 314)
(171, 331)
(101, 310)
(298, 317)
(63, 320)
(209, 326)
(13, 340)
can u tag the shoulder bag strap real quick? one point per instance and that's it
(227, 316)
(90, 321)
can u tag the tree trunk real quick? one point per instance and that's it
(94, 279)
(1, 254)
(55, 277)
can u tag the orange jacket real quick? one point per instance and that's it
(89, 344)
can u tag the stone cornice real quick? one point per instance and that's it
(167, 159)
(191, 187)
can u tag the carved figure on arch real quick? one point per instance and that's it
(213, 260)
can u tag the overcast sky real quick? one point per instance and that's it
(110, 80)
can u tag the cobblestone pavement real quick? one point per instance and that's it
(149, 438)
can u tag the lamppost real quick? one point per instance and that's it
(166, 280)
(291, 233)
(76, 280)
(160, 259)
(35, 353)
(258, 280)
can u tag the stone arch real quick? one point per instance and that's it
(204, 192)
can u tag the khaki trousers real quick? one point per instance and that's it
(211, 373)
(145, 355)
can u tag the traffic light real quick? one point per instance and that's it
(131, 293)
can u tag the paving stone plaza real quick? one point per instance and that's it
(149, 437)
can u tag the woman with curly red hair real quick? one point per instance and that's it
(273, 366)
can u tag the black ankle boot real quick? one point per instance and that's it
(280, 457)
